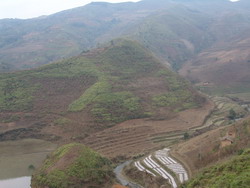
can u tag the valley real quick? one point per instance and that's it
(147, 95)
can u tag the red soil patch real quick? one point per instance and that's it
(56, 94)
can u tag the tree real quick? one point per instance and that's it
(186, 136)
(31, 167)
(232, 114)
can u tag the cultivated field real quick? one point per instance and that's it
(207, 148)
(140, 136)
(161, 164)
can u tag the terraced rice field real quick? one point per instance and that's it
(219, 116)
(161, 164)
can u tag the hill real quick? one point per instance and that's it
(214, 146)
(206, 41)
(174, 30)
(74, 165)
(30, 43)
(79, 98)
(232, 173)
(222, 68)
(212, 69)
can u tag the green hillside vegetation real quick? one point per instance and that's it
(234, 173)
(76, 166)
(112, 76)
(111, 98)
(90, 92)
(16, 94)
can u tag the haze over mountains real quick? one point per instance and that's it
(178, 32)
(106, 75)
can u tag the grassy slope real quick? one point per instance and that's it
(105, 86)
(232, 173)
(73, 165)
(113, 98)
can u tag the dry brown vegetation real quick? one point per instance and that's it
(140, 136)
(223, 68)
(207, 149)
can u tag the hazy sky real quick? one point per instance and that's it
(35, 8)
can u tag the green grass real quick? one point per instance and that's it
(16, 94)
(109, 100)
(116, 107)
(17, 90)
(234, 173)
(85, 167)
(89, 96)
(178, 94)
(182, 97)
(171, 98)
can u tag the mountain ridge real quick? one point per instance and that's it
(30, 43)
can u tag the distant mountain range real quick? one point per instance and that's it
(106, 75)
(207, 36)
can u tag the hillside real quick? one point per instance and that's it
(34, 42)
(213, 146)
(222, 68)
(74, 165)
(232, 173)
(80, 98)
(174, 30)
(206, 41)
